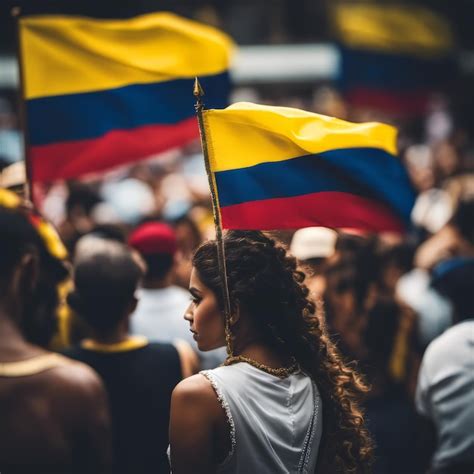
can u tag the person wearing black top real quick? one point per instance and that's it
(139, 376)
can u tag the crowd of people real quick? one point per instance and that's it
(372, 334)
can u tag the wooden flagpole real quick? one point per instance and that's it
(29, 194)
(198, 93)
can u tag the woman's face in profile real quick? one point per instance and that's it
(204, 316)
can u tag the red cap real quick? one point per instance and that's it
(152, 238)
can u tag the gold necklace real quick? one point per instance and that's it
(281, 372)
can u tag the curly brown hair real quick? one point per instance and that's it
(266, 284)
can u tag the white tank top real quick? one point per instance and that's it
(275, 423)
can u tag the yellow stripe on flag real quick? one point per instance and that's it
(402, 29)
(246, 134)
(67, 55)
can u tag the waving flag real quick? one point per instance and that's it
(283, 168)
(393, 57)
(101, 93)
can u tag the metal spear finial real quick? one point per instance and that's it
(198, 92)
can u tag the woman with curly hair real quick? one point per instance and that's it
(284, 401)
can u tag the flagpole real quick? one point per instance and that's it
(29, 195)
(198, 93)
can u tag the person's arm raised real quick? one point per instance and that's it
(195, 413)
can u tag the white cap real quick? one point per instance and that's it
(313, 242)
(13, 175)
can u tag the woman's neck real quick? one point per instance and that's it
(261, 353)
(247, 342)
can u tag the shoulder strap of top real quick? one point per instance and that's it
(213, 380)
(33, 366)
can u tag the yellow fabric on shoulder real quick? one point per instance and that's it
(62, 337)
(401, 29)
(67, 54)
(34, 365)
(9, 199)
(247, 134)
(130, 344)
(52, 240)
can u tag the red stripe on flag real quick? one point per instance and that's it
(328, 209)
(72, 159)
(403, 103)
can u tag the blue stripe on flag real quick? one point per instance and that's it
(367, 172)
(92, 114)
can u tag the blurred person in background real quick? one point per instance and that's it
(350, 245)
(161, 304)
(79, 205)
(188, 238)
(312, 247)
(391, 416)
(139, 376)
(456, 238)
(54, 410)
(419, 162)
(395, 260)
(350, 292)
(434, 312)
(359, 279)
(159, 313)
(447, 161)
(446, 380)
(379, 335)
(71, 328)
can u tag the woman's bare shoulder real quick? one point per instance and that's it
(195, 416)
(195, 389)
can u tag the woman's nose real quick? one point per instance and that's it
(188, 314)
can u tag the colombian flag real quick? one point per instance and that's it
(101, 93)
(282, 168)
(393, 57)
